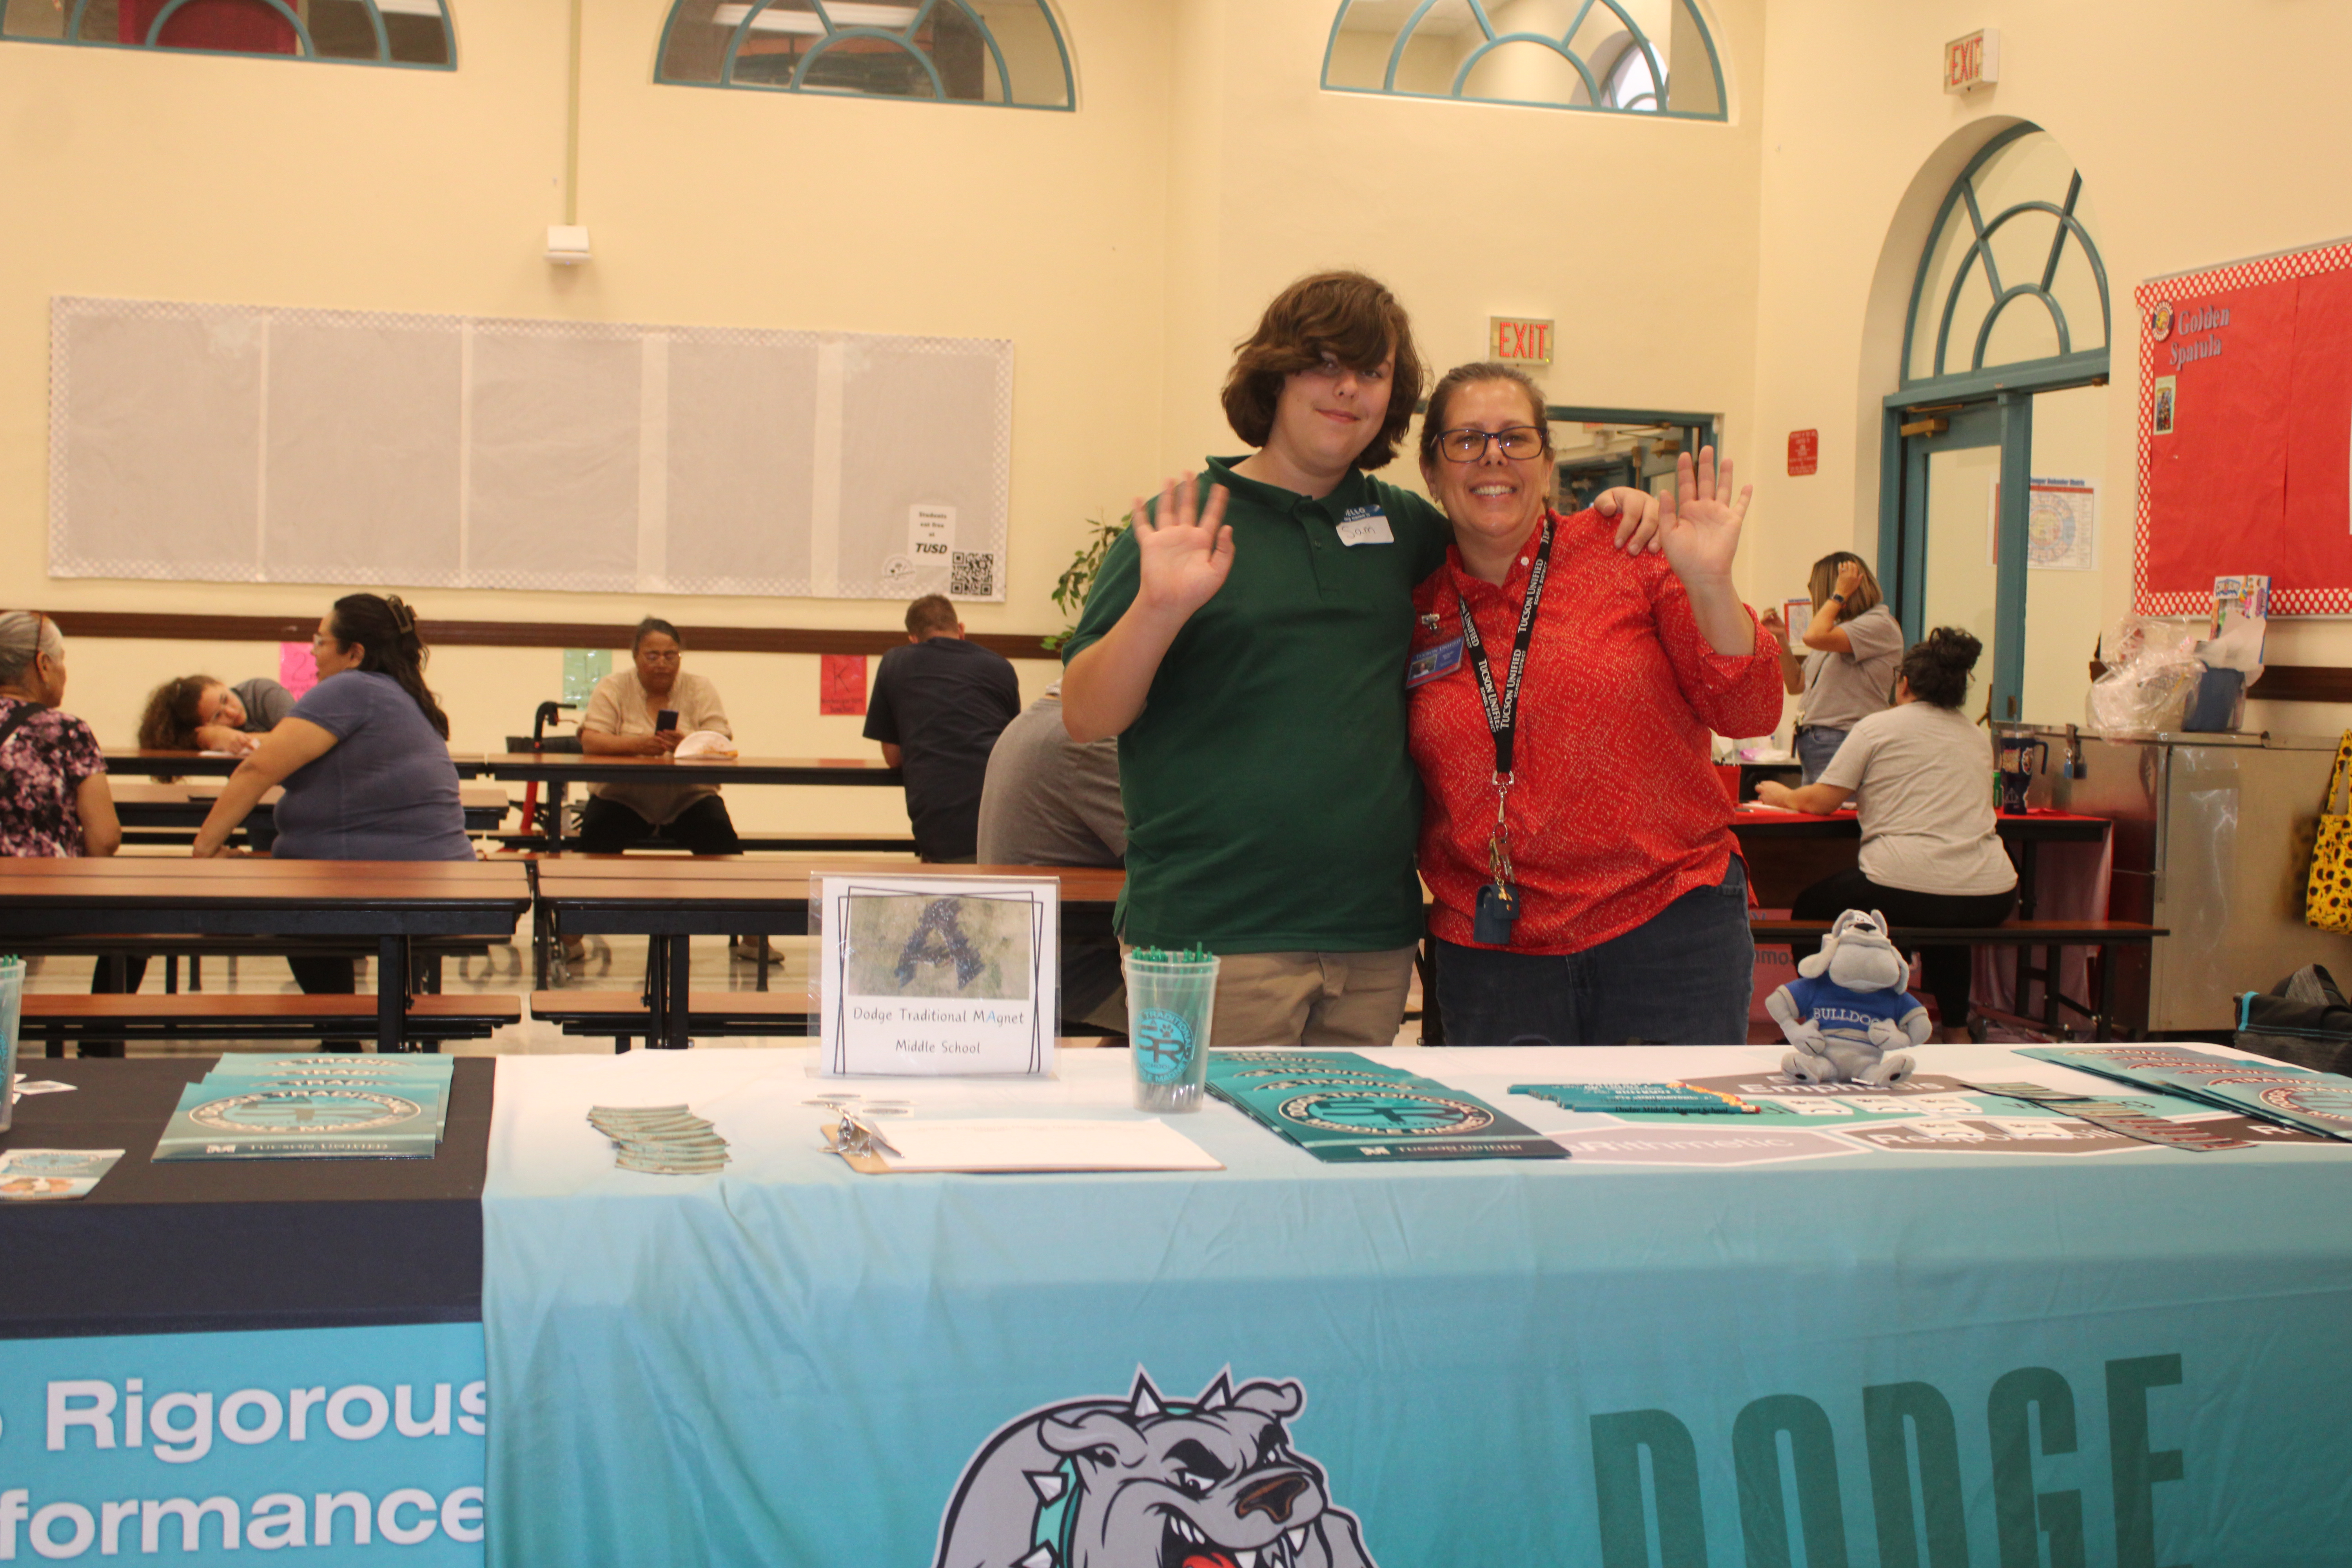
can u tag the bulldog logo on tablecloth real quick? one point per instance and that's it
(1138, 1482)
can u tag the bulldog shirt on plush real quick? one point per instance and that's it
(1835, 1010)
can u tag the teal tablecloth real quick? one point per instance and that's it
(1838, 1355)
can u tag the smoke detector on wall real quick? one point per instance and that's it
(567, 243)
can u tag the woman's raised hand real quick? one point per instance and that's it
(1849, 577)
(1184, 551)
(1699, 519)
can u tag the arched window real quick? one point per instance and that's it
(1609, 56)
(361, 32)
(1992, 446)
(2011, 274)
(1007, 52)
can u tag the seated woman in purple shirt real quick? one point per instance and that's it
(364, 758)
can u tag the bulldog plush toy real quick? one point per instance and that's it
(1848, 1009)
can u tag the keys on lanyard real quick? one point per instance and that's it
(1498, 902)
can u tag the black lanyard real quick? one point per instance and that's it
(1503, 707)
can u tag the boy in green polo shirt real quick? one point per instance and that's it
(1248, 650)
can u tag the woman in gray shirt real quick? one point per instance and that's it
(364, 758)
(1856, 642)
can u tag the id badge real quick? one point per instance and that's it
(1366, 525)
(1498, 911)
(1441, 658)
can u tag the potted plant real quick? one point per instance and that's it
(1077, 579)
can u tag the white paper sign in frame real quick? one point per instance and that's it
(934, 976)
(243, 443)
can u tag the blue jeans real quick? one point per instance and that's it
(1815, 747)
(1684, 977)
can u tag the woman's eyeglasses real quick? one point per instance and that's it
(1467, 446)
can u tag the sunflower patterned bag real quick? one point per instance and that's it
(2329, 904)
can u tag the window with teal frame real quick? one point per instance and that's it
(2011, 280)
(1604, 57)
(1005, 52)
(355, 32)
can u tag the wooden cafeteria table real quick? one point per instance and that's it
(171, 811)
(560, 770)
(57, 905)
(1787, 851)
(671, 900)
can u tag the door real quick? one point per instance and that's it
(1956, 562)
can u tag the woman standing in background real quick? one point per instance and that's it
(1849, 673)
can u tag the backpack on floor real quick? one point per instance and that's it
(2303, 1020)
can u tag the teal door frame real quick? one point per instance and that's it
(1987, 409)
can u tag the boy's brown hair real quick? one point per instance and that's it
(1350, 317)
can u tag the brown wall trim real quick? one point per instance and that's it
(2289, 683)
(517, 634)
(2302, 683)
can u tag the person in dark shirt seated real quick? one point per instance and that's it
(938, 707)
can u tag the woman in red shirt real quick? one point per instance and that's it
(1574, 834)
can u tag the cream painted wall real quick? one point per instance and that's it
(1637, 236)
(1859, 141)
(223, 179)
(1123, 249)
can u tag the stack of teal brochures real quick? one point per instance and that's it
(311, 1108)
(2271, 1091)
(1339, 1106)
(1675, 1098)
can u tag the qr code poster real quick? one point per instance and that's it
(972, 575)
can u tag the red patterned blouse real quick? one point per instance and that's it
(1616, 811)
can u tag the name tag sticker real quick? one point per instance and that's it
(1366, 525)
(1430, 663)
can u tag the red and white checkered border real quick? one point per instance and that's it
(2333, 256)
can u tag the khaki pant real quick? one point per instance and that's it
(1336, 1000)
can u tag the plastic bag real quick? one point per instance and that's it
(2238, 647)
(2151, 676)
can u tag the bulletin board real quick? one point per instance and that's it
(235, 442)
(2245, 433)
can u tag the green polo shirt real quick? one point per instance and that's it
(1270, 803)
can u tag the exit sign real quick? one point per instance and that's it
(1972, 62)
(1518, 339)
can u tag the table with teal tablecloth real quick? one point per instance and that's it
(1753, 1343)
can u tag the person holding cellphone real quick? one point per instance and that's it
(644, 711)
(1854, 642)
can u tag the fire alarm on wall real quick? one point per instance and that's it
(567, 243)
(1972, 62)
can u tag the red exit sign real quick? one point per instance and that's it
(1518, 339)
(1973, 61)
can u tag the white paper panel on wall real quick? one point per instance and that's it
(248, 443)
(162, 467)
(363, 423)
